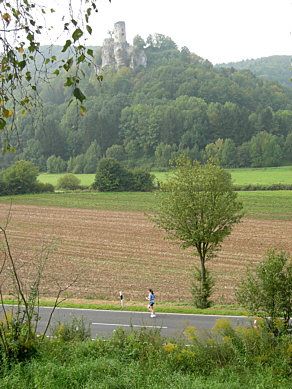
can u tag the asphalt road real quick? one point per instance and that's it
(103, 323)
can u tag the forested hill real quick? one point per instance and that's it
(276, 67)
(142, 117)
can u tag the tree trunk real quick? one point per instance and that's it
(204, 292)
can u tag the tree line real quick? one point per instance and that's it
(179, 104)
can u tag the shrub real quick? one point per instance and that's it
(143, 181)
(227, 345)
(42, 187)
(76, 330)
(267, 292)
(112, 176)
(14, 342)
(20, 177)
(68, 181)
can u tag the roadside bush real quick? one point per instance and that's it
(76, 330)
(15, 345)
(68, 181)
(227, 357)
(244, 347)
(267, 291)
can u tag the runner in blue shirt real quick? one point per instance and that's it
(151, 302)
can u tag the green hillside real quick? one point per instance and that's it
(178, 103)
(276, 67)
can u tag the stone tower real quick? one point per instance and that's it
(117, 52)
(120, 32)
(120, 45)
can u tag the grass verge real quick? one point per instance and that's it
(216, 310)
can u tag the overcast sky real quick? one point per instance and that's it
(218, 30)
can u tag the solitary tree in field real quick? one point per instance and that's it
(198, 208)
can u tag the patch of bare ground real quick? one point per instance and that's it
(122, 251)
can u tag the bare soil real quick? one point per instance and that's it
(122, 251)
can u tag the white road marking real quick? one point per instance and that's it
(125, 325)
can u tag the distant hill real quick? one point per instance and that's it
(276, 67)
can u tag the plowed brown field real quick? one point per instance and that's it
(123, 251)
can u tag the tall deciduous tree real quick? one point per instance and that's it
(198, 209)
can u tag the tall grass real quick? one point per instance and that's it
(226, 358)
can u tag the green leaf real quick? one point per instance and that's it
(89, 29)
(2, 123)
(69, 82)
(68, 64)
(30, 37)
(79, 95)
(90, 52)
(81, 58)
(21, 64)
(77, 34)
(83, 110)
(67, 44)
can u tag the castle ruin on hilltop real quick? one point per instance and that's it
(117, 52)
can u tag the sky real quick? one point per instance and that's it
(218, 30)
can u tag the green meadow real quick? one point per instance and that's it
(258, 204)
(85, 179)
(262, 176)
